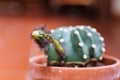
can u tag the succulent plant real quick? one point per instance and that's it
(71, 46)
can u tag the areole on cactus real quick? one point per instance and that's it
(71, 46)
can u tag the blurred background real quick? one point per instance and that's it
(18, 18)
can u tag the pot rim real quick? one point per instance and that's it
(116, 61)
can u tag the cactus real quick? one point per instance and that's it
(71, 46)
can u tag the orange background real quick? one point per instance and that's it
(16, 42)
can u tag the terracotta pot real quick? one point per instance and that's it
(39, 70)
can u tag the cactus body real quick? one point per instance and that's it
(80, 43)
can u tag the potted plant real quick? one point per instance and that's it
(72, 53)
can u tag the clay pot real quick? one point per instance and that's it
(40, 71)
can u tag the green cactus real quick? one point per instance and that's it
(71, 46)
